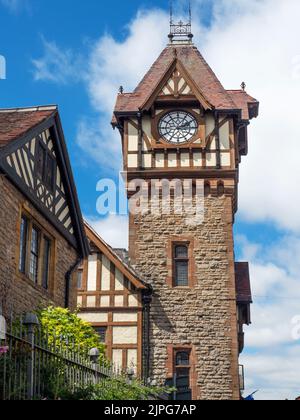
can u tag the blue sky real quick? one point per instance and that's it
(77, 54)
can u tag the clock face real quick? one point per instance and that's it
(178, 127)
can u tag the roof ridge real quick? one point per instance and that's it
(30, 109)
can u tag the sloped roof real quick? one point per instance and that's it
(243, 285)
(243, 101)
(14, 123)
(199, 72)
(114, 256)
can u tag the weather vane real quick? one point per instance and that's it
(180, 33)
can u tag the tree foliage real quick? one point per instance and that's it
(70, 331)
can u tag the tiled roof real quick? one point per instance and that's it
(243, 285)
(242, 101)
(199, 72)
(17, 122)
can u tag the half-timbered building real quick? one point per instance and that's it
(42, 239)
(114, 299)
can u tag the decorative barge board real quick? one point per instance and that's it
(39, 209)
(110, 297)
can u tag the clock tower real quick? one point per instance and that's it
(180, 125)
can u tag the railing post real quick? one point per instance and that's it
(31, 321)
(94, 357)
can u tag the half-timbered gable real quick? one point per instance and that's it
(40, 205)
(110, 297)
(181, 81)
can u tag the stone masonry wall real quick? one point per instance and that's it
(16, 291)
(203, 317)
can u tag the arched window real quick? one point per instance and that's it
(181, 265)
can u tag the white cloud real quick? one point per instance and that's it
(270, 358)
(276, 376)
(57, 65)
(113, 229)
(258, 42)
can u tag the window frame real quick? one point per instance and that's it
(43, 237)
(34, 253)
(176, 260)
(23, 244)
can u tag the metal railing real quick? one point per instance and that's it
(34, 365)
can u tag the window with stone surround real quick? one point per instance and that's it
(181, 265)
(182, 369)
(35, 252)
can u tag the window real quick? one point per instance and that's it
(34, 255)
(46, 263)
(181, 265)
(79, 279)
(45, 166)
(35, 252)
(182, 378)
(101, 331)
(23, 244)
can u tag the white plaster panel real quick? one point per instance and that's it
(224, 137)
(117, 359)
(225, 159)
(92, 273)
(105, 278)
(105, 301)
(124, 335)
(133, 301)
(185, 160)
(133, 161)
(211, 159)
(119, 301)
(172, 160)
(160, 160)
(147, 160)
(197, 157)
(125, 317)
(94, 318)
(119, 282)
(132, 359)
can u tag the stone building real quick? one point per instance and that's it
(180, 127)
(42, 239)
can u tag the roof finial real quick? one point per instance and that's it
(243, 86)
(190, 12)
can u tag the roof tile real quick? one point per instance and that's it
(15, 123)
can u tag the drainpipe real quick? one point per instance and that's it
(68, 276)
(147, 299)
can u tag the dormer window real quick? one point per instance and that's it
(45, 166)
